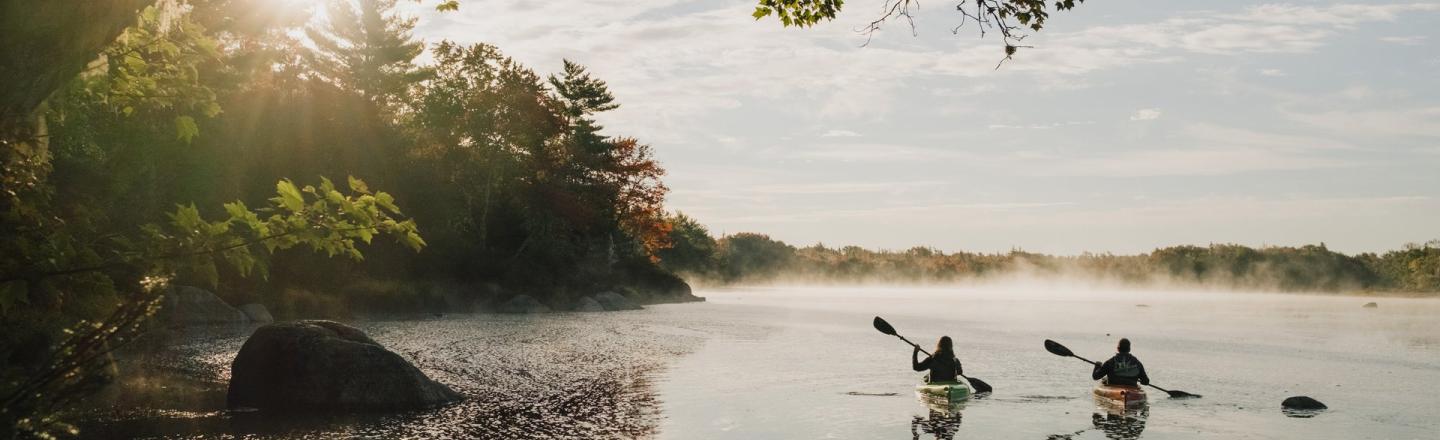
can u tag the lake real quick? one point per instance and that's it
(805, 362)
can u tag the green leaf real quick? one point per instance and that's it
(358, 185)
(290, 196)
(186, 128)
(386, 201)
(187, 218)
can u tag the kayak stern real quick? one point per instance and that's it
(943, 391)
(1120, 395)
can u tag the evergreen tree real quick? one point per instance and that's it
(581, 97)
(367, 48)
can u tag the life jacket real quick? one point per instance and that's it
(1125, 366)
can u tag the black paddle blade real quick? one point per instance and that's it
(979, 385)
(1057, 349)
(1182, 395)
(884, 327)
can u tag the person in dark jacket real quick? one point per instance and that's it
(943, 365)
(1122, 369)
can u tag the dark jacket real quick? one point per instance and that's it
(1123, 369)
(942, 369)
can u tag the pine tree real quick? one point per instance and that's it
(367, 48)
(582, 97)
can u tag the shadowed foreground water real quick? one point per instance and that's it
(551, 376)
(805, 363)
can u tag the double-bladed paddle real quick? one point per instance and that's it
(885, 327)
(1060, 350)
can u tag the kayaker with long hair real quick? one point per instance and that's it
(1122, 369)
(943, 365)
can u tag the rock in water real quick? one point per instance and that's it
(588, 304)
(257, 313)
(1370, 305)
(326, 366)
(186, 305)
(614, 301)
(1302, 403)
(523, 304)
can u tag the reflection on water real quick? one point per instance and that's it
(1301, 413)
(1115, 423)
(942, 425)
(1119, 424)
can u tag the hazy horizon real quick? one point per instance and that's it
(1129, 125)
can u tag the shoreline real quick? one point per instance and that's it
(1066, 284)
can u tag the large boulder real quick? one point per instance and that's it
(522, 304)
(1302, 403)
(588, 304)
(614, 301)
(187, 305)
(257, 313)
(654, 286)
(326, 366)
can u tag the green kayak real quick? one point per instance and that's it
(944, 391)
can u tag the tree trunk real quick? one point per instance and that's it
(46, 43)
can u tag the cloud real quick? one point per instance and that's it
(1272, 72)
(1261, 29)
(866, 152)
(1049, 126)
(935, 211)
(840, 133)
(1214, 161)
(1419, 121)
(1146, 114)
(1341, 15)
(1412, 40)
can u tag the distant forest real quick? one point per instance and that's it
(749, 258)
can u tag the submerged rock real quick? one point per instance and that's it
(1370, 305)
(588, 304)
(187, 305)
(614, 301)
(1302, 403)
(326, 366)
(257, 313)
(523, 304)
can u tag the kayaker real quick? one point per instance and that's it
(943, 365)
(1122, 369)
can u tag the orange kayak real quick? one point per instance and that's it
(1120, 395)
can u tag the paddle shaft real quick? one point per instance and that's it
(917, 346)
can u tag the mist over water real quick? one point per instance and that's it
(822, 369)
(804, 362)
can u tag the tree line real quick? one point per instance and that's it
(750, 258)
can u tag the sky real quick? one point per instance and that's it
(1129, 125)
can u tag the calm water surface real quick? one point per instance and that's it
(1377, 369)
(805, 363)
